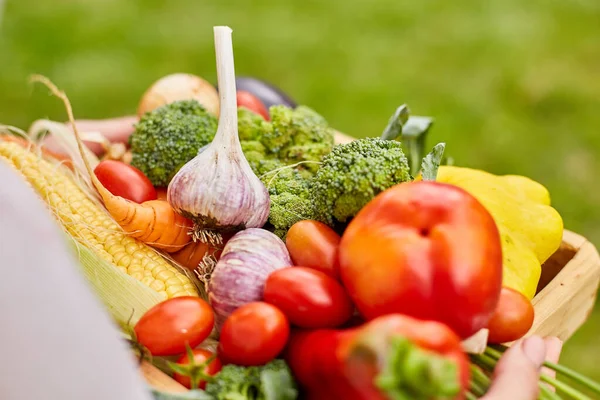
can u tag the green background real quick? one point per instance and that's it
(513, 86)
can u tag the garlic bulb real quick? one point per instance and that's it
(217, 189)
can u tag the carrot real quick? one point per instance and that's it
(153, 222)
(194, 253)
(66, 160)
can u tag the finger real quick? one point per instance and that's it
(553, 350)
(517, 373)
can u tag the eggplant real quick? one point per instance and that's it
(266, 92)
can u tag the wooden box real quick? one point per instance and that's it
(565, 295)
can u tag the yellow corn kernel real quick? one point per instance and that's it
(92, 226)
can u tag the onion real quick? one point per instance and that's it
(180, 86)
(248, 258)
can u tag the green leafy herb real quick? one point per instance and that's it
(431, 162)
(414, 135)
(396, 123)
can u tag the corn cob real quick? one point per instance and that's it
(91, 225)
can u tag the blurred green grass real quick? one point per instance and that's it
(513, 85)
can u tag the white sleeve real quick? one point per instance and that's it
(57, 342)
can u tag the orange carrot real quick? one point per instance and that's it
(66, 160)
(153, 222)
(194, 253)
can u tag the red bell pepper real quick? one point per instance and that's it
(393, 356)
(424, 249)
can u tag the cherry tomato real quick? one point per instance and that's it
(251, 102)
(314, 245)
(253, 334)
(512, 319)
(161, 193)
(309, 298)
(125, 180)
(166, 328)
(200, 357)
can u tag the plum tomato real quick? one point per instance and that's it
(253, 334)
(125, 180)
(309, 298)
(167, 327)
(201, 356)
(251, 102)
(512, 319)
(314, 245)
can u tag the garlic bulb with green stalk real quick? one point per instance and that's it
(217, 189)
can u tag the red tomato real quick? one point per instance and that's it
(512, 319)
(166, 328)
(253, 334)
(314, 245)
(309, 298)
(125, 180)
(251, 102)
(200, 357)
(161, 193)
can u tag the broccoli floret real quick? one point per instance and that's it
(286, 180)
(287, 209)
(280, 135)
(254, 152)
(272, 381)
(252, 146)
(289, 191)
(170, 136)
(251, 126)
(308, 155)
(293, 127)
(353, 173)
(264, 164)
(311, 127)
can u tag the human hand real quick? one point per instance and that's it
(517, 373)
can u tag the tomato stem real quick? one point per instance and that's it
(471, 396)
(414, 371)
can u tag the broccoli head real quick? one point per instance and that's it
(170, 136)
(251, 126)
(293, 127)
(286, 210)
(290, 203)
(286, 179)
(307, 156)
(272, 381)
(352, 174)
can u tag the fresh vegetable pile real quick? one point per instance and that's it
(264, 261)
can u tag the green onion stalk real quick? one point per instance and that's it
(581, 387)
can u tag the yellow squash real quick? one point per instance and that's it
(531, 230)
